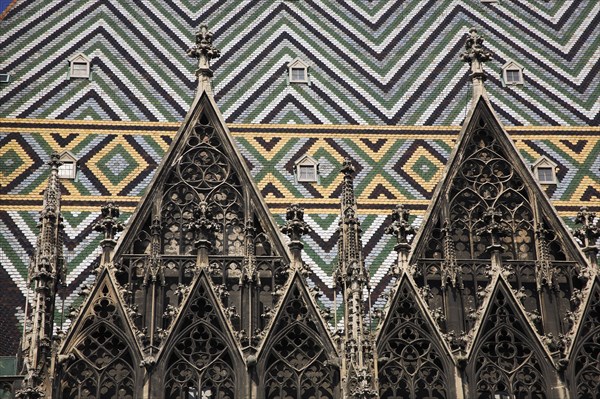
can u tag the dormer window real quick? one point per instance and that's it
(512, 73)
(298, 71)
(79, 66)
(545, 171)
(307, 170)
(68, 169)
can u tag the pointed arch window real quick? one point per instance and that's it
(68, 169)
(544, 171)
(298, 71)
(79, 66)
(307, 170)
(512, 74)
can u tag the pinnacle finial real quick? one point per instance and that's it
(475, 55)
(205, 52)
(347, 167)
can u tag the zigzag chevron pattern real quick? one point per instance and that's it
(378, 62)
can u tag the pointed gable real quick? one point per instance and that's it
(507, 357)
(100, 355)
(298, 358)
(486, 171)
(200, 354)
(202, 164)
(584, 366)
(412, 358)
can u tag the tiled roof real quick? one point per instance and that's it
(377, 62)
(117, 160)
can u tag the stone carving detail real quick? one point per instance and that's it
(298, 364)
(410, 365)
(200, 359)
(504, 360)
(101, 365)
(585, 358)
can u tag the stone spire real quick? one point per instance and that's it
(204, 51)
(358, 365)
(46, 272)
(476, 55)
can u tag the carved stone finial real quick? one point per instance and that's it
(400, 226)
(588, 233)
(204, 51)
(295, 227)
(202, 222)
(475, 55)
(109, 223)
(347, 168)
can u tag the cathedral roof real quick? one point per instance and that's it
(377, 62)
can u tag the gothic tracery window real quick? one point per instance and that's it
(585, 363)
(203, 173)
(296, 366)
(486, 179)
(505, 359)
(200, 361)
(410, 365)
(103, 365)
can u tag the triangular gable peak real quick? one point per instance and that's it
(409, 329)
(486, 172)
(100, 354)
(298, 357)
(506, 355)
(79, 57)
(202, 210)
(200, 350)
(487, 215)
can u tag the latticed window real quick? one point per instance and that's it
(103, 365)
(203, 174)
(410, 364)
(200, 361)
(513, 76)
(545, 175)
(505, 360)
(585, 361)
(297, 364)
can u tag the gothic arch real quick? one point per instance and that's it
(584, 367)
(200, 355)
(507, 358)
(297, 360)
(412, 361)
(101, 361)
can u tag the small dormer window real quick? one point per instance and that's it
(298, 71)
(68, 169)
(79, 66)
(512, 73)
(307, 170)
(544, 171)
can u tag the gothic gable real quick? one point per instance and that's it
(584, 366)
(100, 355)
(487, 182)
(507, 356)
(202, 165)
(298, 358)
(200, 356)
(413, 361)
(201, 196)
